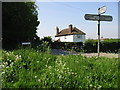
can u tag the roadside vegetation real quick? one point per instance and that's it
(30, 68)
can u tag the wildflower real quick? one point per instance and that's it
(45, 65)
(35, 76)
(99, 87)
(20, 56)
(72, 73)
(37, 61)
(38, 80)
(2, 66)
(7, 67)
(11, 64)
(17, 57)
(5, 63)
(48, 58)
(90, 85)
(49, 67)
(59, 76)
(3, 72)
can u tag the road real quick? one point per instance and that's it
(63, 52)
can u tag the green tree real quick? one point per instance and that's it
(19, 22)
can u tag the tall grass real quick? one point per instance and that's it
(28, 68)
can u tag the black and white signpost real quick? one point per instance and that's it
(98, 17)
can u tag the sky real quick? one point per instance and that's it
(62, 14)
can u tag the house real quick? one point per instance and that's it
(70, 34)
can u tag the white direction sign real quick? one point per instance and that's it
(105, 18)
(93, 17)
(102, 10)
(96, 17)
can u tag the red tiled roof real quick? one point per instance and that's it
(66, 31)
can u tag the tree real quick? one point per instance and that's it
(19, 23)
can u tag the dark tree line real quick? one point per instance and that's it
(19, 22)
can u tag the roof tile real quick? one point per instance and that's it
(66, 31)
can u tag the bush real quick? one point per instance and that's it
(108, 45)
(74, 46)
(43, 45)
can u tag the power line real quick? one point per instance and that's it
(67, 5)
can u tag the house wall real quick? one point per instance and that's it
(79, 38)
(68, 38)
(71, 38)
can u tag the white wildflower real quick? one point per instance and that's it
(38, 80)
(3, 72)
(37, 61)
(17, 57)
(90, 85)
(99, 86)
(11, 64)
(45, 65)
(49, 67)
(72, 73)
(2, 66)
(7, 67)
(20, 56)
(6, 63)
(10, 60)
(35, 76)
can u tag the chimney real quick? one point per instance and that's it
(57, 30)
(70, 28)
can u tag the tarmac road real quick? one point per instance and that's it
(63, 52)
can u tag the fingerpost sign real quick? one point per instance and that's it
(98, 17)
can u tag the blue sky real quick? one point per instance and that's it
(61, 14)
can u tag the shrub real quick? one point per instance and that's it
(74, 46)
(108, 45)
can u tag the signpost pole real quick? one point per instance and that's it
(98, 48)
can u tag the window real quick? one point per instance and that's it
(79, 36)
(64, 37)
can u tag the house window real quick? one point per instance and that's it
(64, 37)
(79, 36)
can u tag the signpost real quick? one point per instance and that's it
(98, 17)
(105, 18)
(102, 10)
(95, 17)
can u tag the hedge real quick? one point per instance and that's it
(108, 45)
(90, 46)
(75, 46)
